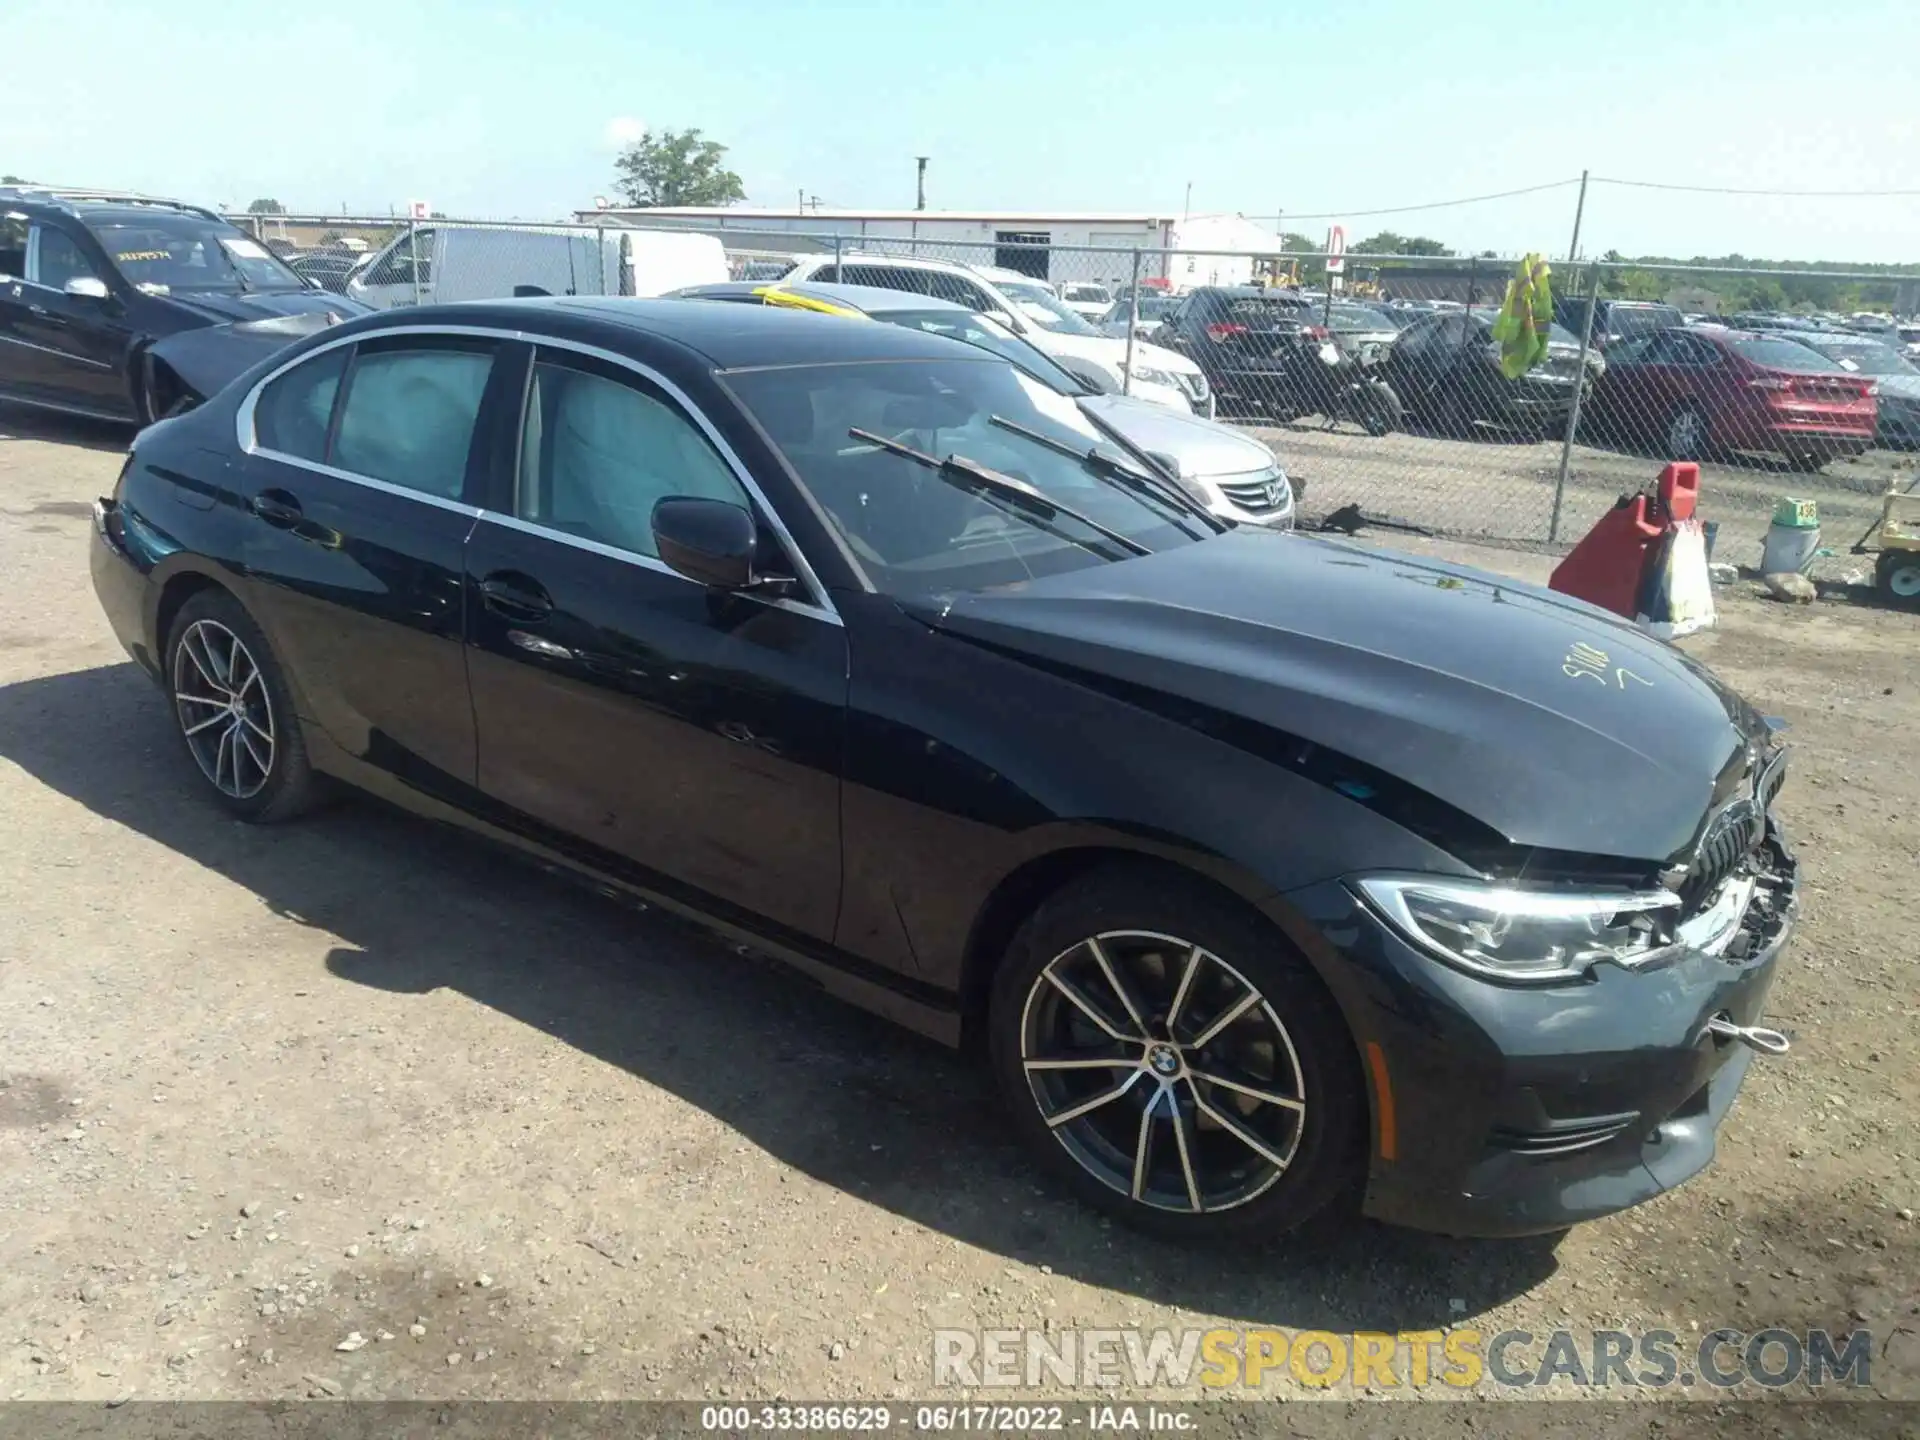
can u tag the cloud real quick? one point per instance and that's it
(623, 130)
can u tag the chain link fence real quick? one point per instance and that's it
(1380, 387)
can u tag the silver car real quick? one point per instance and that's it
(1229, 472)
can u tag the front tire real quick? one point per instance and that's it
(1896, 574)
(1377, 408)
(1174, 1061)
(234, 713)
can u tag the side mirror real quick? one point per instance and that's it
(709, 541)
(87, 287)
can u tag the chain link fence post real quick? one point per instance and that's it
(1133, 325)
(413, 249)
(1573, 410)
(836, 257)
(600, 259)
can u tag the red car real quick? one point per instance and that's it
(1705, 388)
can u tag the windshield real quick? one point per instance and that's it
(1640, 319)
(1044, 308)
(1152, 307)
(1096, 293)
(1870, 358)
(1783, 354)
(184, 252)
(914, 532)
(1269, 311)
(989, 334)
(1557, 334)
(1358, 317)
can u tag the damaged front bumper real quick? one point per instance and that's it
(1501, 1110)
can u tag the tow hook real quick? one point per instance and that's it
(1755, 1037)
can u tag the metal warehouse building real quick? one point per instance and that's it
(1039, 244)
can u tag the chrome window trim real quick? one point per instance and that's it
(820, 606)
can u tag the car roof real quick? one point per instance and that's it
(868, 299)
(929, 262)
(727, 336)
(100, 203)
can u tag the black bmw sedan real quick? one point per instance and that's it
(1266, 872)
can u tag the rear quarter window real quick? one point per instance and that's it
(293, 412)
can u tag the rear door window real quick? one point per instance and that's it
(409, 413)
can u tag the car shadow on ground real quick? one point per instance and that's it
(846, 1098)
(17, 422)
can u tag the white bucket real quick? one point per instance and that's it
(1789, 549)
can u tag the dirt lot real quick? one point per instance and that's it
(265, 1090)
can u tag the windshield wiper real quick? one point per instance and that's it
(1022, 499)
(1140, 482)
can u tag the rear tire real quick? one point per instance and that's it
(1687, 436)
(1120, 1091)
(1377, 408)
(234, 712)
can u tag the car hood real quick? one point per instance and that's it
(1201, 448)
(205, 359)
(1549, 721)
(225, 306)
(1110, 351)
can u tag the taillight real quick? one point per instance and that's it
(1224, 331)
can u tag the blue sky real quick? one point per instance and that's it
(506, 109)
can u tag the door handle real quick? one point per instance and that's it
(535, 645)
(277, 508)
(518, 597)
(39, 310)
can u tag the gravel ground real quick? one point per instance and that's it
(361, 1107)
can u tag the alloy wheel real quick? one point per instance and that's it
(1687, 434)
(1163, 1071)
(221, 700)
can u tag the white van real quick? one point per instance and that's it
(450, 261)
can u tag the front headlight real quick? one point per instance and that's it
(1524, 936)
(1147, 375)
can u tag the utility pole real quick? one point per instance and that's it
(1579, 210)
(1186, 206)
(920, 182)
(800, 205)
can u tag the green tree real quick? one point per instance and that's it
(14, 180)
(676, 167)
(1389, 243)
(265, 206)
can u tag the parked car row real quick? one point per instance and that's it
(1225, 469)
(1029, 308)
